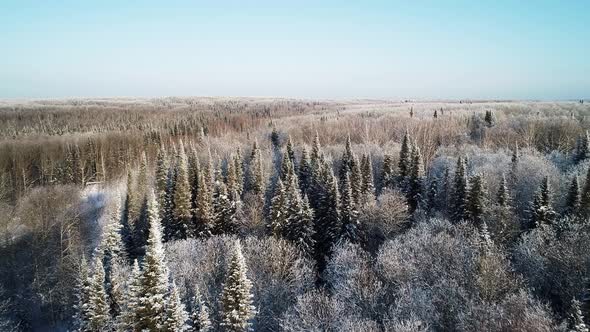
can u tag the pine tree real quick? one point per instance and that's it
(151, 309)
(98, 307)
(416, 173)
(405, 156)
(237, 309)
(541, 211)
(176, 315)
(81, 308)
(204, 215)
(476, 199)
(368, 188)
(459, 194)
(304, 171)
(348, 214)
(583, 148)
(200, 321)
(182, 197)
(576, 319)
(574, 198)
(127, 319)
(277, 213)
(388, 173)
(503, 196)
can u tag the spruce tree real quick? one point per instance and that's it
(541, 210)
(503, 196)
(583, 148)
(176, 315)
(348, 214)
(256, 175)
(129, 215)
(432, 196)
(81, 308)
(573, 199)
(290, 151)
(239, 169)
(327, 218)
(368, 187)
(182, 197)
(161, 177)
(415, 178)
(405, 156)
(204, 214)
(304, 171)
(166, 211)
(237, 309)
(347, 161)
(476, 199)
(576, 319)
(514, 163)
(356, 181)
(199, 317)
(127, 319)
(224, 211)
(98, 307)
(388, 172)
(585, 198)
(277, 213)
(459, 194)
(287, 169)
(151, 307)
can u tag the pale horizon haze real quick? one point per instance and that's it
(297, 49)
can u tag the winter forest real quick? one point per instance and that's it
(253, 214)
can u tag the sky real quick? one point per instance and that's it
(302, 49)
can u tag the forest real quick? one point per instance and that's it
(268, 214)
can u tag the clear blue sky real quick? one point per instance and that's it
(317, 49)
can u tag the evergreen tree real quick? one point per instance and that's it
(356, 181)
(405, 156)
(347, 161)
(583, 148)
(476, 199)
(129, 215)
(278, 215)
(200, 321)
(327, 217)
(127, 319)
(585, 198)
(432, 195)
(237, 309)
(459, 194)
(239, 169)
(304, 171)
(574, 198)
(576, 319)
(290, 151)
(388, 173)
(176, 315)
(489, 119)
(302, 229)
(368, 188)
(224, 211)
(167, 210)
(514, 163)
(416, 173)
(204, 214)
(83, 289)
(541, 211)
(316, 151)
(256, 172)
(503, 197)
(231, 178)
(161, 177)
(287, 169)
(142, 175)
(182, 197)
(97, 307)
(151, 308)
(348, 214)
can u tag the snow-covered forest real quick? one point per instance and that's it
(219, 214)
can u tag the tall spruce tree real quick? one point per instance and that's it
(415, 179)
(476, 199)
(327, 217)
(176, 315)
(304, 171)
(585, 198)
(503, 196)
(351, 230)
(199, 317)
(224, 211)
(368, 187)
(388, 172)
(81, 308)
(583, 148)
(278, 213)
(204, 214)
(347, 161)
(459, 193)
(237, 309)
(405, 156)
(151, 307)
(574, 198)
(356, 181)
(161, 177)
(239, 169)
(290, 151)
(127, 319)
(541, 210)
(98, 306)
(182, 197)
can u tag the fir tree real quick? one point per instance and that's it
(583, 148)
(388, 173)
(459, 194)
(347, 161)
(514, 163)
(161, 177)
(182, 197)
(287, 169)
(204, 215)
(290, 151)
(416, 173)
(476, 199)
(200, 321)
(83, 288)
(239, 169)
(166, 212)
(316, 151)
(356, 181)
(348, 214)
(405, 156)
(127, 319)
(576, 319)
(327, 217)
(142, 175)
(574, 198)
(129, 215)
(368, 188)
(278, 215)
(97, 307)
(304, 171)
(256, 172)
(224, 211)
(302, 229)
(237, 309)
(541, 211)
(503, 197)
(176, 315)
(151, 308)
(585, 198)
